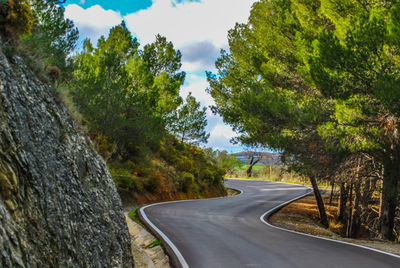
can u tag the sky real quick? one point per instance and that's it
(198, 28)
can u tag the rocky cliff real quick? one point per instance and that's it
(58, 204)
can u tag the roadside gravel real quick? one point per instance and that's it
(145, 256)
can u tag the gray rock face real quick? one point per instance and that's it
(58, 204)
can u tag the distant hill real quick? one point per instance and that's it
(267, 158)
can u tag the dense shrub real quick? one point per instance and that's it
(16, 18)
(177, 171)
(193, 160)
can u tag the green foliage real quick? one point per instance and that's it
(188, 122)
(133, 215)
(126, 96)
(131, 178)
(180, 171)
(124, 179)
(192, 162)
(155, 243)
(104, 92)
(163, 63)
(260, 92)
(224, 160)
(161, 57)
(319, 81)
(16, 19)
(126, 93)
(187, 181)
(52, 40)
(228, 162)
(361, 70)
(303, 72)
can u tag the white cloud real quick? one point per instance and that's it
(201, 25)
(197, 85)
(94, 21)
(220, 134)
(186, 22)
(198, 56)
(223, 130)
(191, 66)
(198, 28)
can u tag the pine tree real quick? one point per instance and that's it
(188, 122)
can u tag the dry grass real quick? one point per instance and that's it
(63, 96)
(302, 216)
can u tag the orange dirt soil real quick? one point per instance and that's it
(302, 216)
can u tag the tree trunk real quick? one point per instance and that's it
(270, 172)
(183, 137)
(344, 193)
(369, 188)
(250, 168)
(355, 223)
(380, 202)
(349, 219)
(320, 203)
(389, 198)
(332, 188)
(380, 196)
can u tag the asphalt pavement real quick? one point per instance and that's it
(228, 232)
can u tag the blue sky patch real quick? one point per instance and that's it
(123, 6)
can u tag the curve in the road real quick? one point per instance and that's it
(177, 259)
(224, 233)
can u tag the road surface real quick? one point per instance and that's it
(228, 232)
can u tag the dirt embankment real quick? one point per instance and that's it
(302, 216)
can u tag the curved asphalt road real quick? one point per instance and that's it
(228, 232)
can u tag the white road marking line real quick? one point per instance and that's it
(177, 253)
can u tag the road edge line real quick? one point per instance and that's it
(176, 256)
(264, 218)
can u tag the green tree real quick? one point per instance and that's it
(53, 37)
(260, 93)
(227, 161)
(104, 92)
(163, 62)
(318, 81)
(162, 57)
(359, 70)
(188, 122)
(223, 160)
(119, 94)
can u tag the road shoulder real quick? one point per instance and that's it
(302, 216)
(144, 255)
